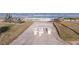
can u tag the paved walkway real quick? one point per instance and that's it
(42, 37)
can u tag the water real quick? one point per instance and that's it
(43, 15)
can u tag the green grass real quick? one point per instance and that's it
(66, 33)
(15, 30)
(73, 25)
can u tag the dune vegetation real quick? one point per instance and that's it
(10, 31)
(68, 31)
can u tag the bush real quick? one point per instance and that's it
(4, 29)
(22, 22)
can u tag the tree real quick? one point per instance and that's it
(8, 18)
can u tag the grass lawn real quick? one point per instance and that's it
(66, 33)
(15, 30)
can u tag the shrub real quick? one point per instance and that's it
(4, 29)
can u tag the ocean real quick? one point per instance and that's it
(43, 15)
